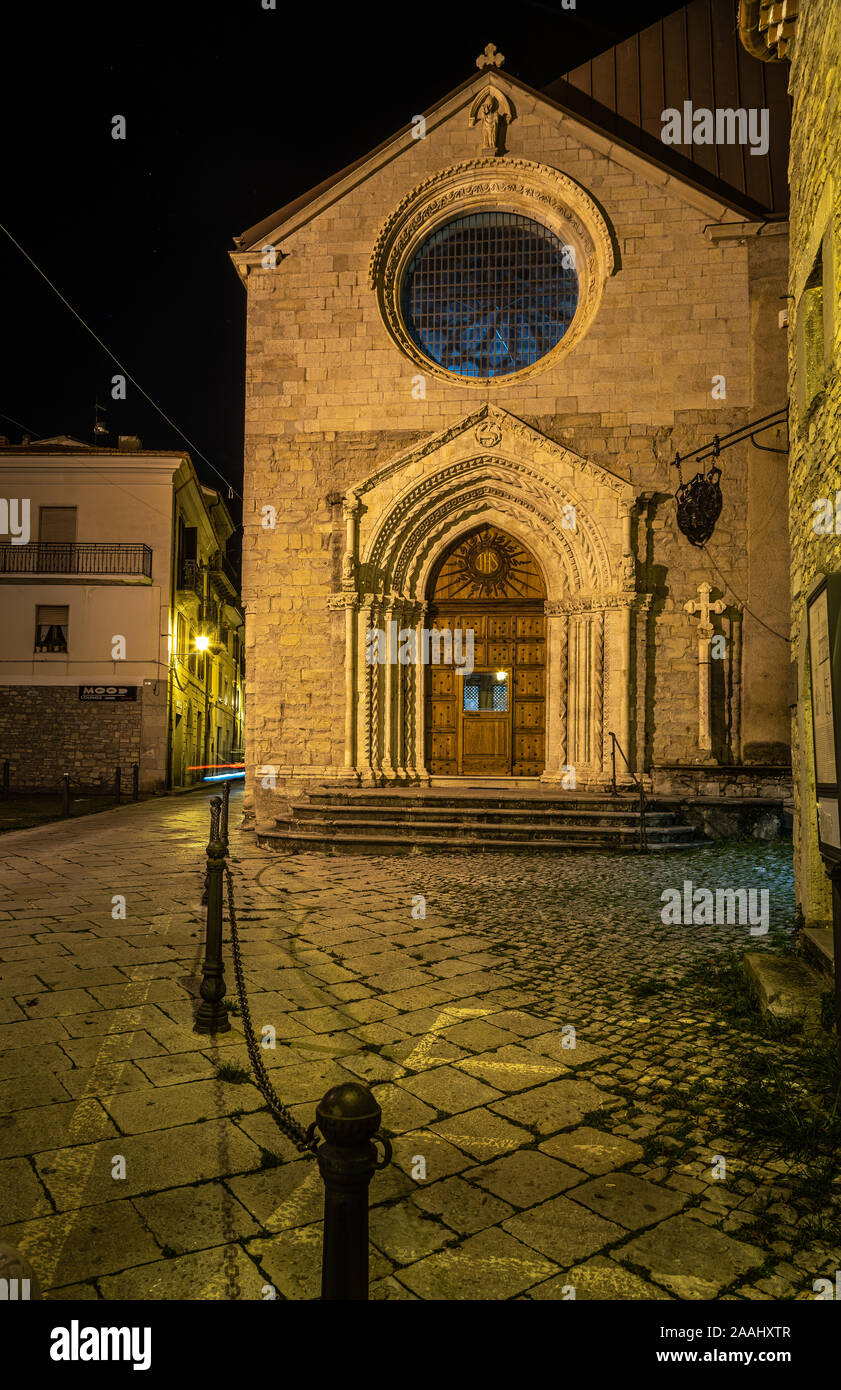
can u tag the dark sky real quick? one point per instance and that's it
(231, 111)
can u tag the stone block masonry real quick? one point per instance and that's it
(46, 731)
(815, 421)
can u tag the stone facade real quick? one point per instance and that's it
(46, 731)
(815, 174)
(373, 464)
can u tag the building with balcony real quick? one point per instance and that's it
(121, 638)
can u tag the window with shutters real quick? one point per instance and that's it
(57, 524)
(51, 628)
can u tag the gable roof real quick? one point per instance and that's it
(693, 54)
(594, 105)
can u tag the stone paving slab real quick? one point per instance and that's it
(690, 1258)
(522, 1166)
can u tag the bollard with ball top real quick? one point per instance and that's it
(212, 1017)
(349, 1119)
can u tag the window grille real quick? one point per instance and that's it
(489, 294)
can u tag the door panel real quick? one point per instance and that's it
(490, 584)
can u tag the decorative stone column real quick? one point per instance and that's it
(389, 625)
(704, 608)
(624, 630)
(557, 668)
(597, 688)
(736, 686)
(368, 698)
(419, 688)
(351, 605)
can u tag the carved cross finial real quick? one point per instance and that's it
(703, 607)
(489, 58)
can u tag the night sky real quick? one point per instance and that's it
(231, 112)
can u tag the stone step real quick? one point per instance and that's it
(787, 989)
(343, 842)
(458, 812)
(483, 800)
(473, 830)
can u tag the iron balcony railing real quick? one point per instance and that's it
(190, 577)
(223, 575)
(76, 557)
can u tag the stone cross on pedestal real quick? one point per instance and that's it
(704, 609)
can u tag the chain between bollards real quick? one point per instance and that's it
(212, 1016)
(348, 1117)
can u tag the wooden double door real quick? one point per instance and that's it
(491, 722)
(488, 721)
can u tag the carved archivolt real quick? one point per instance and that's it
(412, 531)
(499, 183)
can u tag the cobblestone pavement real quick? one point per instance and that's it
(544, 1166)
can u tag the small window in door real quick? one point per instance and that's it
(57, 524)
(51, 628)
(486, 692)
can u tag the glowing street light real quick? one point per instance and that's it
(202, 643)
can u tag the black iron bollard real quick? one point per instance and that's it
(135, 782)
(226, 796)
(211, 1016)
(117, 778)
(6, 778)
(348, 1117)
(65, 794)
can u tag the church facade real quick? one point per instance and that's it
(473, 356)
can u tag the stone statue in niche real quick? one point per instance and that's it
(492, 125)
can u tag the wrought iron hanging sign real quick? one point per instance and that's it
(698, 504)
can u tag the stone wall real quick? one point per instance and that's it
(329, 398)
(815, 466)
(46, 731)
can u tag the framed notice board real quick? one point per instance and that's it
(823, 608)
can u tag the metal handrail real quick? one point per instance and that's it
(76, 557)
(637, 783)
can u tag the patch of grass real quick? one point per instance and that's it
(723, 985)
(597, 1118)
(828, 1010)
(762, 1227)
(654, 1147)
(231, 1006)
(787, 1102)
(646, 989)
(226, 1071)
